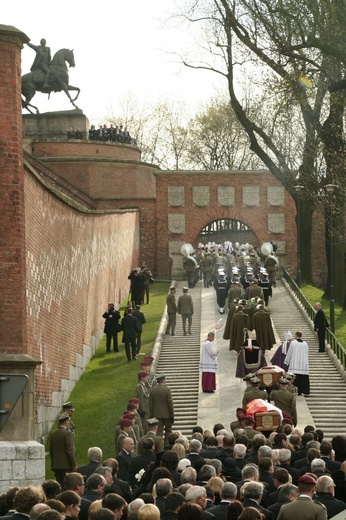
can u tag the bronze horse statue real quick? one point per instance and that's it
(58, 80)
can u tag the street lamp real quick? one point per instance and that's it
(299, 272)
(330, 188)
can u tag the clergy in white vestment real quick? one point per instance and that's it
(297, 360)
(208, 364)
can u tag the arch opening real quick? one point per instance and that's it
(227, 229)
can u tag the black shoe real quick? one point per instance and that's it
(185, 334)
(166, 332)
(116, 350)
(173, 334)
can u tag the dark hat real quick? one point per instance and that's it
(249, 418)
(134, 400)
(125, 422)
(63, 417)
(142, 374)
(152, 421)
(255, 380)
(159, 377)
(131, 406)
(307, 479)
(68, 405)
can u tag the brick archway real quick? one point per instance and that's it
(232, 230)
(188, 201)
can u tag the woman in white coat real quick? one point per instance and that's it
(208, 364)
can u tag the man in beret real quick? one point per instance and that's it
(146, 366)
(142, 393)
(161, 406)
(133, 406)
(303, 506)
(62, 450)
(126, 431)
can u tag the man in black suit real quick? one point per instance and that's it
(173, 503)
(95, 487)
(252, 495)
(285, 457)
(141, 462)
(326, 454)
(195, 448)
(325, 495)
(95, 457)
(228, 494)
(211, 448)
(288, 492)
(118, 486)
(227, 448)
(280, 478)
(129, 326)
(75, 482)
(124, 458)
(138, 314)
(320, 326)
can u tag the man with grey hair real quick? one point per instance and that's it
(252, 493)
(300, 463)
(228, 494)
(287, 493)
(205, 473)
(217, 464)
(94, 457)
(189, 476)
(36, 510)
(162, 487)
(239, 452)
(133, 507)
(285, 456)
(325, 495)
(198, 495)
(195, 448)
(318, 467)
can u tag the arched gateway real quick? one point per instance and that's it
(227, 229)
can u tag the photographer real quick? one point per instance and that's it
(112, 327)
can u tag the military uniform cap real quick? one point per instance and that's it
(307, 479)
(289, 375)
(152, 421)
(254, 380)
(68, 405)
(283, 381)
(185, 289)
(247, 377)
(63, 417)
(159, 377)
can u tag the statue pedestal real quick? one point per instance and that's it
(54, 125)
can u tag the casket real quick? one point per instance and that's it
(270, 375)
(266, 421)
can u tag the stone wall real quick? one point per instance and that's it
(22, 464)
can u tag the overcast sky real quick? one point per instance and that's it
(120, 46)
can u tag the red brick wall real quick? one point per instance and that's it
(12, 238)
(75, 264)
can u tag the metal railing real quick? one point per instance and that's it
(335, 345)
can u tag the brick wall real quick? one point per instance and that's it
(75, 264)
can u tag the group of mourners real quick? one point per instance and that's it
(111, 133)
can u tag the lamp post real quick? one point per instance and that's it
(330, 188)
(299, 271)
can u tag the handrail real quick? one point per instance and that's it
(335, 345)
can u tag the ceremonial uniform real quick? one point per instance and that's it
(286, 401)
(172, 310)
(185, 308)
(240, 321)
(261, 322)
(253, 392)
(161, 406)
(303, 508)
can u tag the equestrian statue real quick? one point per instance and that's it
(48, 75)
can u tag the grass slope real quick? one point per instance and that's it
(108, 382)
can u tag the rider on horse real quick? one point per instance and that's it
(42, 60)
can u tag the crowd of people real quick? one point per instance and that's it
(111, 133)
(233, 473)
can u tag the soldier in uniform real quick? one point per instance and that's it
(161, 406)
(69, 408)
(62, 450)
(153, 426)
(235, 332)
(303, 506)
(136, 433)
(265, 286)
(146, 366)
(133, 406)
(126, 431)
(172, 310)
(207, 267)
(185, 308)
(142, 393)
(285, 400)
(261, 322)
(253, 391)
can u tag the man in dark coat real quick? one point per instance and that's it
(287, 493)
(173, 503)
(124, 458)
(75, 482)
(228, 494)
(320, 326)
(130, 327)
(95, 457)
(95, 487)
(112, 327)
(62, 450)
(262, 324)
(252, 494)
(141, 462)
(138, 314)
(325, 495)
(172, 310)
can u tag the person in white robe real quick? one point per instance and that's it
(208, 364)
(297, 359)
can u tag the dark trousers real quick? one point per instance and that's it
(130, 348)
(139, 341)
(111, 335)
(321, 340)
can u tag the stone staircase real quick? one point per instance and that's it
(179, 360)
(327, 399)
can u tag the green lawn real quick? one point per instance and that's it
(109, 381)
(313, 294)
